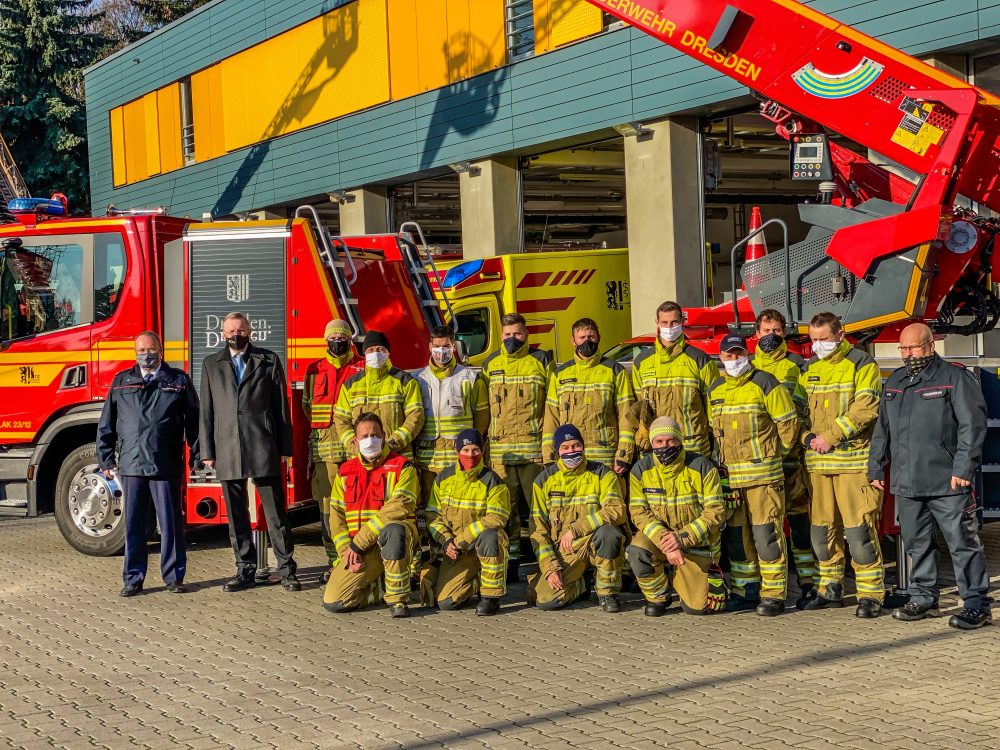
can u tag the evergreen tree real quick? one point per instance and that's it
(44, 47)
(157, 13)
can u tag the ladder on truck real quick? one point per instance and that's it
(336, 264)
(420, 262)
(11, 183)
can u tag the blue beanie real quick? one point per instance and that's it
(564, 433)
(468, 437)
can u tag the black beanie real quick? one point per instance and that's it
(468, 437)
(375, 338)
(564, 433)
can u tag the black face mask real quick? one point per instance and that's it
(236, 343)
(668, 454)
(770, 343)
(587, 349)
(512, 344)
(915, 365)
(339, 347)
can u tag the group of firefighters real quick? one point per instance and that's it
(672, 466)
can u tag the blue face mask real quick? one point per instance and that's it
(572, 459)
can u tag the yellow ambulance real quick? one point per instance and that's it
(550, 289)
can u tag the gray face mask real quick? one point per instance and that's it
(148, 361)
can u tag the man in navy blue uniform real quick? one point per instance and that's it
(150, 410)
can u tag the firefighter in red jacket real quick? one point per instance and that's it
(373, 522)
(322, 384)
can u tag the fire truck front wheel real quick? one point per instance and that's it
(89, 508)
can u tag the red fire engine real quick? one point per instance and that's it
(75, 292)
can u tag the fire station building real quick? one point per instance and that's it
(501, 126)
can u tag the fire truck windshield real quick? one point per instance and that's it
(40, 289)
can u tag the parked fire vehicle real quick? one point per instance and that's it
(75, 292)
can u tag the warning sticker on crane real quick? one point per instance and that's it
(914, 132)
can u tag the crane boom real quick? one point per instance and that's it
(11, 183)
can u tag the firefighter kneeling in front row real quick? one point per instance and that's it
(578, 521)
(466, 514)
(677, 505)
(373, 523)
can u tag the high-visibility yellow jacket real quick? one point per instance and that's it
(464, 504)
(755, 426)
(594, 394)
(323, 380)
(366, 496)
(580, 500)
(392, 394)
(843, 393)
(684, 497)
(673, 381)
(787, 367)
(454, 399)
(517, 384)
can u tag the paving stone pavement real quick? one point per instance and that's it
(81, 667)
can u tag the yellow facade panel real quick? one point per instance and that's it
(371, 70)
(207, 113)
(432, 44)
(404, 72)
(118, 174)
(486, 18)
(151, 133)
(543, 37)
(462, 39)
(168, 107)
(134, 126)
(572, 20)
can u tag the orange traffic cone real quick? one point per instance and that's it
(756, 248)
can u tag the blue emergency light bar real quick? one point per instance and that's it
(457, 274)
(37, 206)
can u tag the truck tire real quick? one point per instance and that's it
(89, 509)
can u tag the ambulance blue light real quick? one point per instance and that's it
(43, 206)
(457, 274)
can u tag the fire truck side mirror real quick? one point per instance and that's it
(460, 350)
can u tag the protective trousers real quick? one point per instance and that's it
(427, 478)
(690, 580)
(451, 583)
(603, 550)
(324, 472)
(797, 513)
(956, 518)
(519, 479)
(391, 556)
(846, 505)
(755, 539)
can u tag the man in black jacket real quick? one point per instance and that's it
(150, 409)
(930, 432)
(246, 433)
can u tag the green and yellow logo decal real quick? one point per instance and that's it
(838, 85)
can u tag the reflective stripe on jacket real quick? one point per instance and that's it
(365, 497)
(454, 399)
(517, 385)
(392, 394)
(463, 504)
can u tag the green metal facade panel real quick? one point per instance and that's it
(586, 87)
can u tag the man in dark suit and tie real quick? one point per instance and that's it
(149, 410)
(245, 434)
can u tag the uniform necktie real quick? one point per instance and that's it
(148, 378)
(240, 366)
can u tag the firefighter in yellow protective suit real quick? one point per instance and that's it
(578, 521)
(595, 395)
(755, 426)
(672, 380)
(466, 515)
(372, 517)
(517, 380)
(843, 386)
(323, 380)
(772, 356)
(383, 390)
(677, 507)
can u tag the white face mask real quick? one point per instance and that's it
(370, 447)
(376, 359)
(442, 355)
(824, 349)
(736, 367)
(670, 334)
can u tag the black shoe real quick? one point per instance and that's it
(970, 619)
(610, 603)
(868, 609)
(325, 577)
(399, 610)
(821, 602)
(809, 593)
(488, 606)
(655, 609)
(240, 582)
(177, 588)
(131, 589)
(291, 583)
(770, 607)
(895, 599)
(739, 603)
(911, 611)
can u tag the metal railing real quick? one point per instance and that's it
(788, 271)
(418, 271)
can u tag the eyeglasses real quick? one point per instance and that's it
(915, 347)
